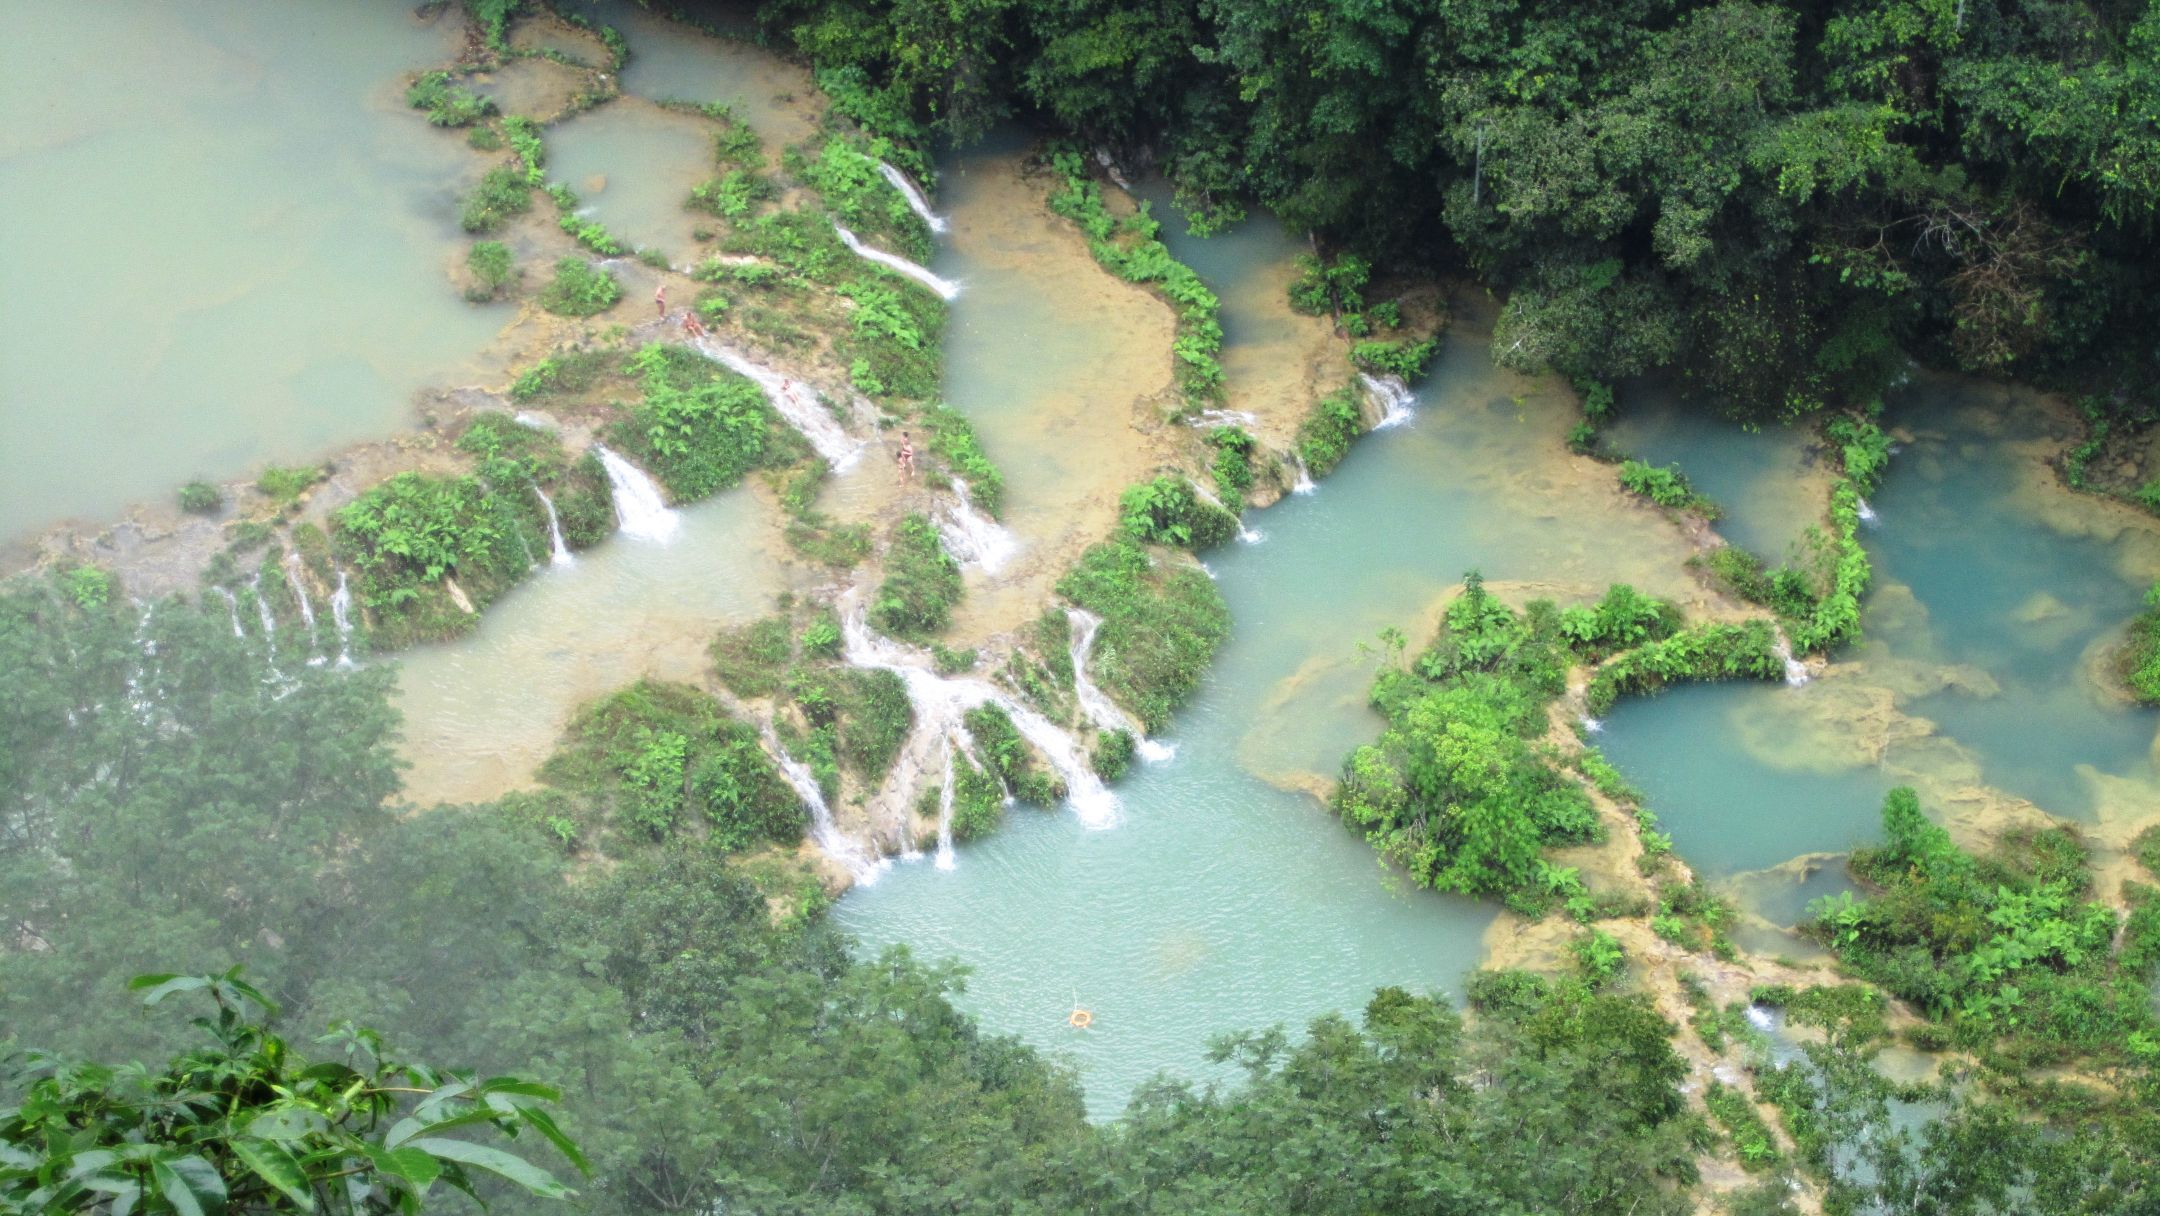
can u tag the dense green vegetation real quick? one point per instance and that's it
(1456, 791)
(492, 271)
(657, 761)
(1170, 511)
(1325, 435)
(502, 194)
(579, 289)
(1772, 199)
(922, 582)
(1161, 624)
(246, 1124)
(447, 104)
(412, 538)
(2006, 949)
(700, 427)
(952, 438)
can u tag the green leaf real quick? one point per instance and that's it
(544, 1123)
(162, 986)
(410, 1164)
(274, 1164)
(498, 1162)
(191, 1185)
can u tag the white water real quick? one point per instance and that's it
(1796, 672)
(945, 288)
(1867, 513)
(944, 813)
(1304, 483)
(1245, 535)
(1214, 418)
(859, 861)
(532, 420)
(975, 539)
(1105, 713)
(639, 507)
(795, 401)
(295, 579)
(341, 612)
(941, 700)
(232, 609)
(558, 552)
(1393, 396)
(914, 196)
(1593, 726)
(262, 607)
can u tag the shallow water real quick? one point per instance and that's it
(670, 61)
(1223, 901)
(1995, 591)
(632, 166)
(482, 712)
(1767, 480)
(235, 235)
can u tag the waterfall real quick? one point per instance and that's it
(297, 580)
(1393, 397)
(341, 612)
(138, 700)
(940, 701)
(558, 552)
(1214, 418)
(639, 508)
(1796, 672)
(1245, 535)
(944, 814)
(847, 852)
(914, 196)
(972, 537)
(945, 288)
(795, 401)
(1867, 513)
(1593, 726)
(532, 421)
(1098, 707)
(262, 606)
(1304, 483)
(232, 609)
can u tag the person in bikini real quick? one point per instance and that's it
(907, 456)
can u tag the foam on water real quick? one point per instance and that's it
(639, 508)
(914, 196)
(945, 288)
(797, 402)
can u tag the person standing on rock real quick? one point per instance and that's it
(907, 457)
(659, 299)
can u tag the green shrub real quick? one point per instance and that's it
(952, 437)
(579, 289)
(750, 659)
(1744, 651)
(1332, 287)
(1169, 511)
(658, 759)
(1113, 754)
(447, 104)
(1325, 436)
(501, 194)
(524, 136)
(1666, 487)
(700, 427)
(1599, 958)
(1162, 623)
(896, 337)
(2145, 846)
(821, 637)
(978, 800)
(200, 498)
(2137, 661)
(489, 264)
(1405, 359)
(282, 484)
(849, 184)
(568, 372)
(1751, 1138)
(1008, 756)
(88, 587)
(922, 582)
(1233, 462)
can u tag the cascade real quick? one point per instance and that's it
(297, 580)
(944, 814)
(1796, 672)
(341, 612)
(1304, 483)
(531, 420)
(558, 552)
(1215, 418)
(1593, 726)
(232, 609)
(1245, 535)
(1867, 513)
(1393, 397)
(795, 401)
(1099, 708)
(914, 196)
(262, 606)
(940, 701)
(639, 507)
(945, 288)
(847, 852)
(972, 537)
(137, 699)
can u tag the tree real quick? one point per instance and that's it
(247, 1125)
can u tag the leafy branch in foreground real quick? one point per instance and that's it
(247, 1125)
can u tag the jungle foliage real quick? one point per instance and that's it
(1161, 624)
(1768, 197)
